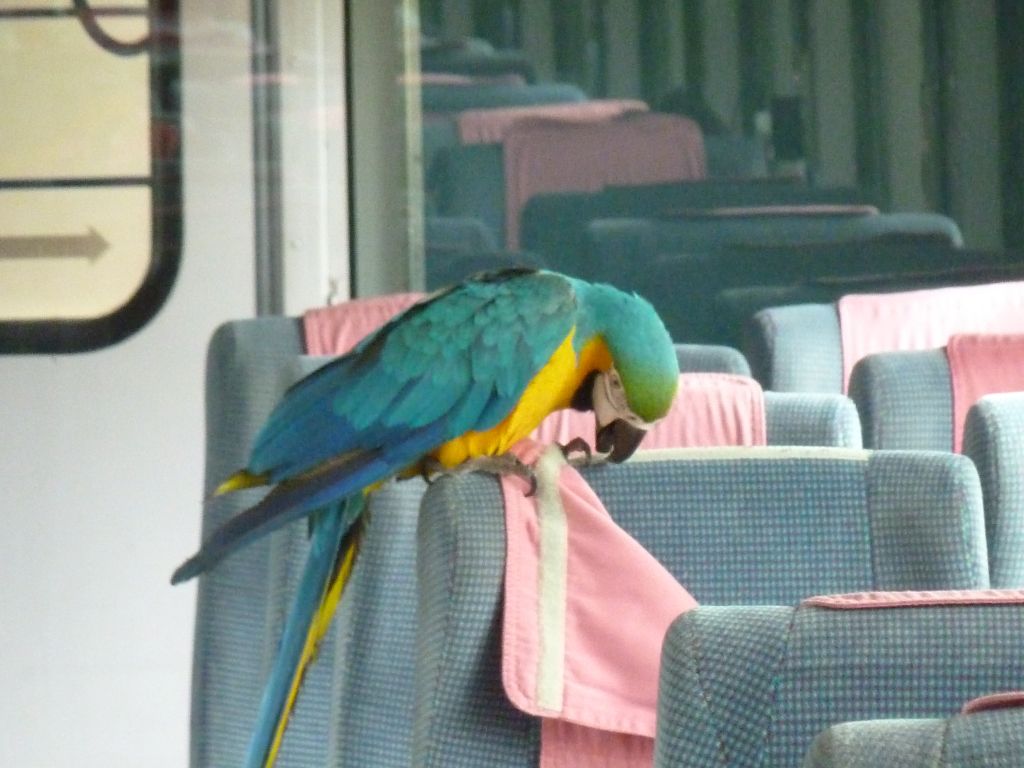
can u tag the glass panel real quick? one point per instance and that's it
(89, 175)
(78, 253)
(82, 111)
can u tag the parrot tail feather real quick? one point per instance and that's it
(242, 479)
(323, 583)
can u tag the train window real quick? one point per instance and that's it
(90, 185)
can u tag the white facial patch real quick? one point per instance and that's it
(610, 401)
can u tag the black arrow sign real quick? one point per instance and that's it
(88, 246)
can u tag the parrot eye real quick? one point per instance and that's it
(615, 392)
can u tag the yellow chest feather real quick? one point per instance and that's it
(550, 390)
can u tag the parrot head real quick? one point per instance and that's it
(639, 385)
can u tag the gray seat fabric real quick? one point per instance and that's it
(697, 358)
(993, 434)
(991, 739)
(753, 686)
(905, 400)
(796, 348)
(772, 527)
(248, 367)
(797, 418)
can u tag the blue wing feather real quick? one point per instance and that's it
(456, 363)
(417, 369)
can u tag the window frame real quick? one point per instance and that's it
(57, 335)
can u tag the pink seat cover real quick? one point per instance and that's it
(618, 600)
(886, 322)
(490, 126)
(336, 329)
(979, 365)
(644, 148)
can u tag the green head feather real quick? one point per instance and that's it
(639, 343)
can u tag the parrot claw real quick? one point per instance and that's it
(506, 464)
(430, 468)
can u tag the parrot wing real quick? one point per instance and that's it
(454, 363)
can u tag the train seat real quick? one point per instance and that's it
(992, 439)
(754, 526)
(814, 347)
(553, 224)
(611, 243)
(242, 603)
(756, 684)
(710, 294)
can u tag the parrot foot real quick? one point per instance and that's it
(506, 464)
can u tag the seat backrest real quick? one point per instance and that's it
(458, 233)
(904, 400)
(692, 282)
(783, 339)
(469, 181)
(761, 525)
(553, 224)
(990, 737)
(734, 307)
(920, 400)
(798, 418)
(454, 98)
(612, 243)
(992, 439)
(541, 158)
(358, 694)
(752, 686)
(697, 358)
(796, 348)
(475, 58)
(250, 363)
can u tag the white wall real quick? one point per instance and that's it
(101, 470)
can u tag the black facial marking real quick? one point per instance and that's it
(583, 397)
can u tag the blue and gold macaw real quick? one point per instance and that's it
(455, 379)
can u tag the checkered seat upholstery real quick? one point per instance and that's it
(753, 685)
(905, 400)
(994, 440)
(992, 738)
(796, 348)
(747, 526)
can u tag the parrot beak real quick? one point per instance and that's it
(619, 440)
(619, 432)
